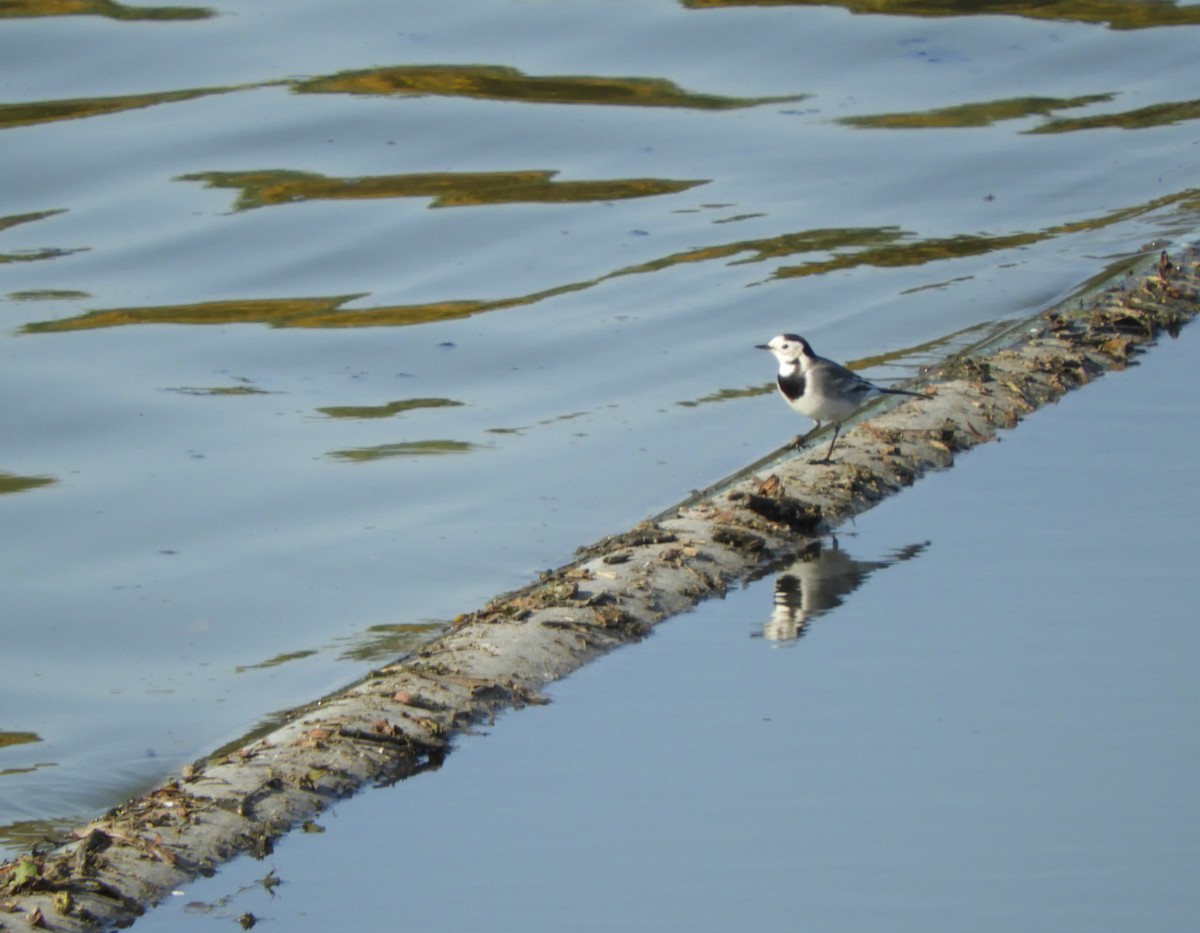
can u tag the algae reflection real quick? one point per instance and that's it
(317, 312)
(388, 409)
(48, 294)
(429, 448)
(446, 189)
(219, 391)
(988, 113)
(14, 220)
(485, 82)
(276, 661)
(917, 252)
(52, 111)
(376, 644)
(1117, 14)
(1165, 114)
(843, 248)
(11, 482)
(8, 739)
(817, 583)
(962, 116)
(388, 642)
(22, 836)
(34, 255)
(496, 82)
(331, 311)
(19, 9)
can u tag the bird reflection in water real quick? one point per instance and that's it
(817, 582)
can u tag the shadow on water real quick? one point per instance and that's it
(817, 583)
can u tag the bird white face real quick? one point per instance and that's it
(787, 348)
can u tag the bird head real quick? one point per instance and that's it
(788, 348)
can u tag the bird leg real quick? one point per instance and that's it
(801, 439)
(837, 428)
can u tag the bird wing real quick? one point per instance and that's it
(845, 381)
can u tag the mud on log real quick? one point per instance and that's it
(399, 720)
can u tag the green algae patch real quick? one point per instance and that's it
(14, 9)
(8, 739)
(497, 82)
(10, 482)
(968, 115)
(432, 448)
(1116, 14)
(277, 661)
(387, 410)
(444, 189)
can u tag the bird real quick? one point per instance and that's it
(820, 388)
(818, 582)
(814, 585)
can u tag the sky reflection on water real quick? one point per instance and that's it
(193, 542)
(992, 731)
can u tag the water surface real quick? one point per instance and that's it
(980, 713)
(321, 325)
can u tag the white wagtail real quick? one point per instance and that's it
(820, 388)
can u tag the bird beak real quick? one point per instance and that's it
(761, 346)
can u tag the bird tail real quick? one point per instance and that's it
(904, 392)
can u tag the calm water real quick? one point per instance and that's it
(995, 730)
(322, 323)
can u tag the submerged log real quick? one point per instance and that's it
(401, 719)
